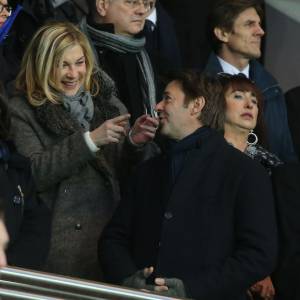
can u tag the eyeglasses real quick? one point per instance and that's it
(7, 7)
(148, 4)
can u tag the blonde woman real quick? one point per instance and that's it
(69, 122)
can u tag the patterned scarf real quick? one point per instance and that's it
(122, 44)
(81, 107)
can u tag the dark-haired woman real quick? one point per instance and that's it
(243, 122)
(27, 219)
(242, 118)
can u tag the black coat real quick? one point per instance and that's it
(292, 98)
(161, 43)
(287, 196)
(215, 228)
(27, 219)
(191, 24)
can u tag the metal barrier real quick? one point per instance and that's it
(17, 283)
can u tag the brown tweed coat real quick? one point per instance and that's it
(80, 187)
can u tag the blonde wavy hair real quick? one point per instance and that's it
(37, 77)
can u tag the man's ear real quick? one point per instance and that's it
(197, 106)
(221, 34)
(102, 6)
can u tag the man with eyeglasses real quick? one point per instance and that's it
(112, 26)
(10, 53)
(5, 12)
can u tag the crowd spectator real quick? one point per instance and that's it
(242, 102)
(26, 218)
(236, 34)
(9, 53)
(74, 137)
(203, 188)
(112, 27)
(243, 123)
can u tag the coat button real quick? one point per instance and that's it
(168, 215)
(78, 226)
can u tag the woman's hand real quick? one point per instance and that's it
(143, 130)
(264, 288)
(111, 131)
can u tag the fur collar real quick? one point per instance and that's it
(57, 120)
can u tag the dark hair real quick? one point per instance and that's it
(242, 83)
(224, 14)
(195, 85)
(92, 9)
(4, 119)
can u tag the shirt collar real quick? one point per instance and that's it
(230, 69)
(153, 17)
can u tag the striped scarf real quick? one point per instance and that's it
(122, 44)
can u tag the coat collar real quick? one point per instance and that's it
(57, 120)
(257, 72)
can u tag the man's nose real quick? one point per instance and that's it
(159, 106)
(142, 9)
(260, 31)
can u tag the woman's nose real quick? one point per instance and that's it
(72, 72)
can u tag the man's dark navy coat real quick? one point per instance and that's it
(214, 228)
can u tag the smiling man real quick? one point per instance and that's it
(237, 33)
(186, 228)
(112, 27)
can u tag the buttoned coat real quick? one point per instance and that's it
(26, 217)
(78, 186)
(214, 228)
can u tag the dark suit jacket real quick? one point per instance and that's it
(191, 23)
(214, 229)
(292, 98)
(287, 198)
(161, 43)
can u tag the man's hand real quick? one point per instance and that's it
(264, 288)
(111, 131)
(171, 287)
(138, 280)
(143, 130)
